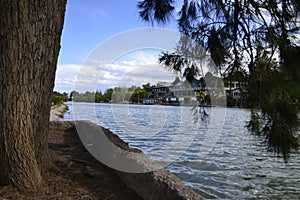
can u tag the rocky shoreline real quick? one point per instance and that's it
(158, 184)
(57, 112)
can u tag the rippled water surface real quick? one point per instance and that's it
(217, 157)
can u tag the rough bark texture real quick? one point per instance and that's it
(30, 34)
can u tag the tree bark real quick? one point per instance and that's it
(30, 33)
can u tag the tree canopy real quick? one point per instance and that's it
(257, 38)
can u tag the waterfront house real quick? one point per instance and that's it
(177, 92)
(234, 93)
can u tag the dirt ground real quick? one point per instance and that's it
(76, 174)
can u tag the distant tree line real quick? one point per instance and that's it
(59, 98)
(116, 95)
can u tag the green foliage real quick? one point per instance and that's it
(107, 95)
(147, 87)
(99, 96)
(58, 98)
(294, 91)
(278, 120)
(84, 97)
(73, 95)
(200, 96)
(159, 10)
(243, 36)
(92, 96)
(278, 123)
(139, 94)
(114, 95)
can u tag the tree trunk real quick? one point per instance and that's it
(30, 34)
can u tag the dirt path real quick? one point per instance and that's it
(76, 174)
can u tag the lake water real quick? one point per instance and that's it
(217, 157)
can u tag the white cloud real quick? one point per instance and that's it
(65, 77)
(136, 68)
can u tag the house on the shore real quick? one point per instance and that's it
(162, 94)
(199, 91)
(177, 92)
(236, 90)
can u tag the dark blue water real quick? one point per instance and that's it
(217, 157)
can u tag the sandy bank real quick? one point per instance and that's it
(57, 112)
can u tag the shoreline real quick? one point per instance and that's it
(57, 111)
(157, 184)
(171, 105)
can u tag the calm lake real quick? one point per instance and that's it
(217, 157)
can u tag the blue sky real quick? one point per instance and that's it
(91, 23)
